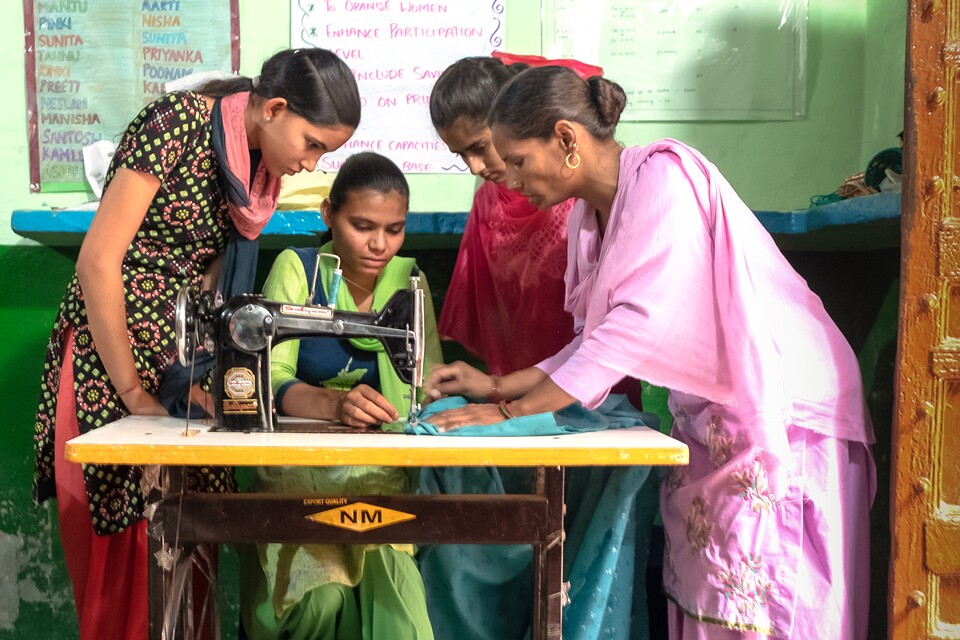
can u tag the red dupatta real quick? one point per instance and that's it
(505, 301)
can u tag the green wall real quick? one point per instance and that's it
(854, 96)
(855, 108)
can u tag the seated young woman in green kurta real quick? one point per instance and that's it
(334, 592)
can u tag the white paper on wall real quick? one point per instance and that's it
(397, 50)
(690, 59)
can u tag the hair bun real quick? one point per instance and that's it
(609, 98)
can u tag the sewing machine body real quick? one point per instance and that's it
(242, 331)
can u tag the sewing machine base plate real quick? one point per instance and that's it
(305, 426)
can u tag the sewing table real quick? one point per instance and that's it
(194, 518)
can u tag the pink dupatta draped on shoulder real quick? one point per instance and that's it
(505, 300)
(687, 290)
(251, 202)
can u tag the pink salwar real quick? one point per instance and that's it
(767, 528)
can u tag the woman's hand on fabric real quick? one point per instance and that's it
(140, 403)
(457, 379)
(472, 414)
(364, 406)
(202, 399)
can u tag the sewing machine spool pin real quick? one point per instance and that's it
(334, 282)
(417, 349)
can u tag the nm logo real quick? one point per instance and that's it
(360, 516)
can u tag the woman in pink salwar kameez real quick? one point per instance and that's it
(672, 279)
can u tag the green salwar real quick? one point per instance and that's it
(388, 602)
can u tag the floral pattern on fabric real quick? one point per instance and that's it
(676, 477)
(746, 585)
(719, 444)
(184, 229)
(698, 524)
(680, 416)
(346, 379)
(753, 486)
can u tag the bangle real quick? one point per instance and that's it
(496, 393)
(504, 410)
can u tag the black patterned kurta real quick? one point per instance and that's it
(185, 228)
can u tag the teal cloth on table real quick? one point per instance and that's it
(616, 412)
(477, 592)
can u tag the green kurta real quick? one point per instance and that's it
(325, 586)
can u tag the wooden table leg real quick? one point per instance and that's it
(547, 621)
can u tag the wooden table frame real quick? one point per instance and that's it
(535, 518)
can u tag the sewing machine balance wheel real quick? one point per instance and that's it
(185, 325)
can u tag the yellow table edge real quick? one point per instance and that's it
(141, 440)
(387, 456)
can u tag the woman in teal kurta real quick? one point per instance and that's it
(341, 591)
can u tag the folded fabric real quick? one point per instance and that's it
(615, 412)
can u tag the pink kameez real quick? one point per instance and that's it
(767, 528)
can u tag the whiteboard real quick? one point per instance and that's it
(91, 66)
(396, 50)
(690, 59)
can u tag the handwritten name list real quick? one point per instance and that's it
(92, 65)
(397, 49)
(692, 60)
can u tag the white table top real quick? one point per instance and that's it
(151, 440)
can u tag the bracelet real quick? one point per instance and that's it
(496, 393)
(504, 410)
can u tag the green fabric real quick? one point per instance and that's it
(288, 573)
(395, 276)
(882, 336)
(388, 602)
(654, 400)
(288, 282)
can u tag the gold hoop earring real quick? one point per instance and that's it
(572, 161)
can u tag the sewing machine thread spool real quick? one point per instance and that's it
(334, 288)
(334, 281)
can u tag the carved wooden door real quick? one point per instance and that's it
(925, 562)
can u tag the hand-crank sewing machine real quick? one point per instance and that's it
(241, 331)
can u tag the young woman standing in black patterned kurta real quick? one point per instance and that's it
(190, 170)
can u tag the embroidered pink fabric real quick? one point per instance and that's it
(264, 192)
(505, 300)
(687, 290)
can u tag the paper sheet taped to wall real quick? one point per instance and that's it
(397, 50)
(91, 65)
(690, 59)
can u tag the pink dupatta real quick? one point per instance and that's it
(250, 203)
(687, 290)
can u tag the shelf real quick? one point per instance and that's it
(856, 224)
